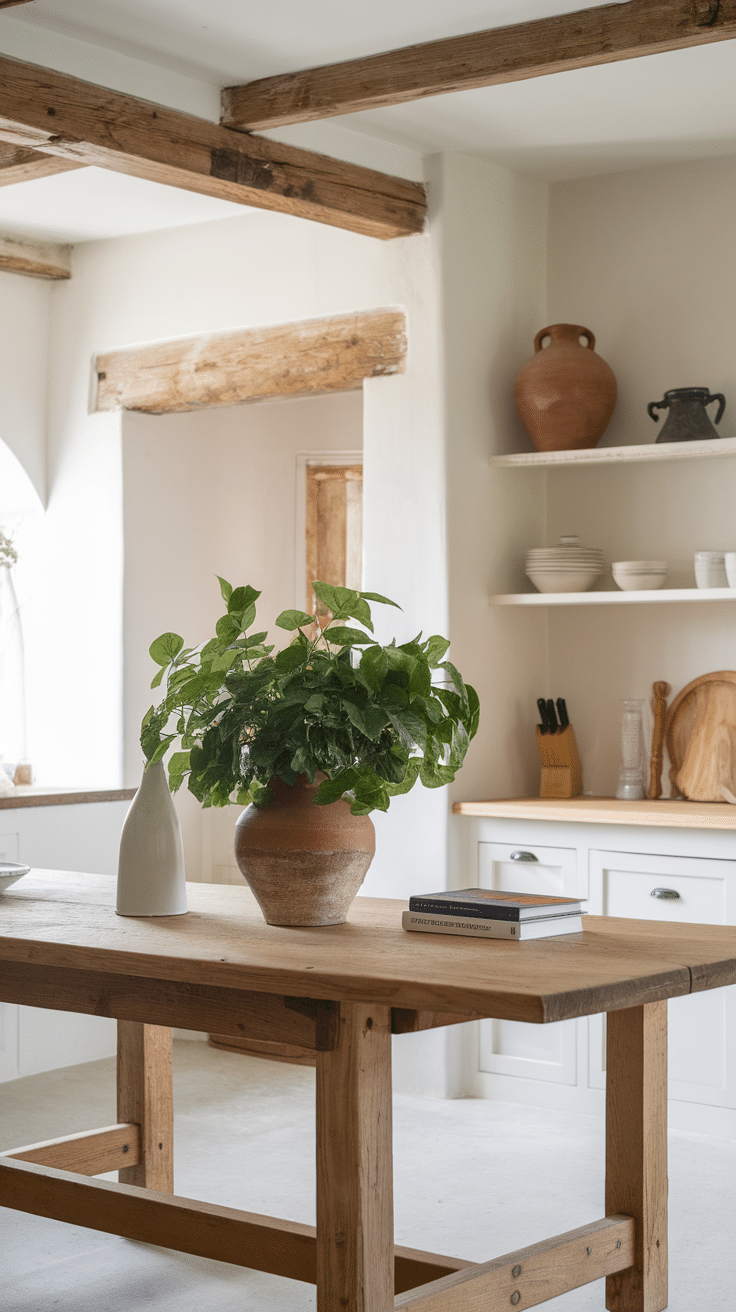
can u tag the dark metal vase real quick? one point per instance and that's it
(688, 419)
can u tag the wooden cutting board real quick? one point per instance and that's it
(701, 737)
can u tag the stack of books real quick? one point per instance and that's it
(486, 913)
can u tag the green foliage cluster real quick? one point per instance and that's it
(8, 553)
(372, 719)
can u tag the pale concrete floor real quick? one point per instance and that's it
(472, 1178)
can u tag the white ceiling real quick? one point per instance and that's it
(629, 114)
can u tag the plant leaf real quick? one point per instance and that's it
(331, 790)
(410, 726)
(340, 636)
(457, 679)
(436, 648)
(373, 667)
(242, 599)
(370, 720)
(335, 598)
(290, 658)
(376, 596)
(164, 649)
(225, 588)
(361, 612)
(227, 629)
(294, 619)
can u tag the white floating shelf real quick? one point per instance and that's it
(658, 595)
(617, 455)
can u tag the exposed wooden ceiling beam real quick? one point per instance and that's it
(251, 364)
(35, 259)
(17, 164)
(86, 124)
(480, 59)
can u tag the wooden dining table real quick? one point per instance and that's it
(342, 992)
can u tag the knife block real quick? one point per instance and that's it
(562, 773)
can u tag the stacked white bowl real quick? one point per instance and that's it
(565, 568)
(637, 575)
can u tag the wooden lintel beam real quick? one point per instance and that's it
(62, 116)
(93, 1152)
(18, 164)
(294, 359)
(35, 259)
(479, 59)
(263, 1243)
(535, 1274)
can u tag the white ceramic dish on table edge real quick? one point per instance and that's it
(9, 872)
(730, 561)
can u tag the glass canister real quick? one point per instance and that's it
(631, 780)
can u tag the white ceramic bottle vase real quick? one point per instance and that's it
(151, 864)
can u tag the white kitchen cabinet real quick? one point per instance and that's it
(636, 884)
(617, 868)
(506, 1047)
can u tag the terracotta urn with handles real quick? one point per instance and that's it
(565, 394)
(304, 863)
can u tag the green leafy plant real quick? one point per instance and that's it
(8, 553)
(371, 719)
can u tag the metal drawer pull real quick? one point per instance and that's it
(523, 856)
(670, 893)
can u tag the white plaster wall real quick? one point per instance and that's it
(207, 493)
(491, 227)
(24, 353)
(647, 261)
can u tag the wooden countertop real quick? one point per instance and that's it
(65, 922)
(607, 811)
(34, 795)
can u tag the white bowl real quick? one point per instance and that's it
(564, 580)
(639, 580)
(731, 568)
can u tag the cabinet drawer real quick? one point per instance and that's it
(623, 884)
(523, 868)
(538, 1052)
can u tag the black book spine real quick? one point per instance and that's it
(473, 912)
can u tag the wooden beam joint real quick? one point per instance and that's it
(62, 116)
(531, 1275)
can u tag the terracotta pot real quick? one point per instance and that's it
(304, 863)
(565, 394)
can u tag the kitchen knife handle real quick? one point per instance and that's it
(542, 705)
(551, 717)
(562, 712)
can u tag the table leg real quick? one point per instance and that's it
(145, 1097)
(355, 1239)
(636, 1151)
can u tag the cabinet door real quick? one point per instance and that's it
(537, 1052)
(623, 884)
